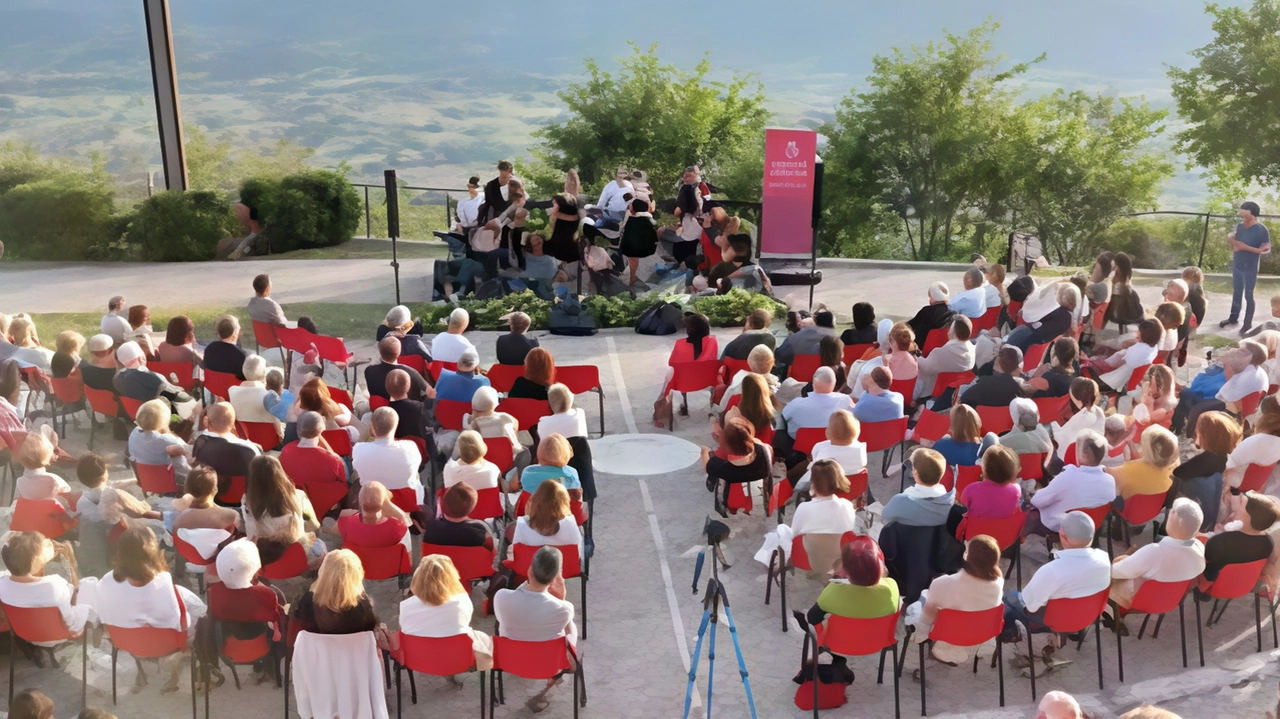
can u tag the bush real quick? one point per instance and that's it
(59, 218)
(309, 209)
(731, 308)
(181, 226)
(259, 195)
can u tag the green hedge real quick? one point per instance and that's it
(65, 217)
(181, 226)
(309, 209)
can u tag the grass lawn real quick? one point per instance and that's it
(365, 249)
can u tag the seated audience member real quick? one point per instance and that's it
(1113, 369)
(245, 607)
(1243, 369)
(1054, 324)
(225, 354)
(972, 302)
(841, 445)
(400, 324)
(29, 350)
(99, 370)
(1084, 485)
(879, 356)
(196, 509)
(926, 503)
(102, 507)
(11, 420)
(824, 514)
(747, 460)
(830, 353)
(247, 397)
(137, 382)
(1028, 436)
(32, 704)
(490, 423)
(515, 345)
(454, 527)
(539, 375)
(1002, 386)
(1152, 473)
(375, 375)
(1061, 705)
(755, 405)
(934, 315)
(877, 403)
(994, 288)
(1175, 558)
(36, 454)
(536, 611)
(978, 586)
(863, 331)
(180, 342)
(309, 460)
(1203, 476)
(1076, 571)
(439, 606)
(1098, 287)
(1247, 543)
(1085, 415)
(963, 441)
(957, 355)
(901, 359)
(815, 410)
(565, 419)
(1159, 398)
(755, 332)
(114, 323)
(698, 344)
(1262, 447)
(140, 329)
(151, 442)
(1053, 379)
(805, 342)
(449, 345)
(413, 416)
(538, 264)
(277, 400)
(1119, 448)
(337, 603)
(461, 385)
(218, 448)
(314, 396)
(393, 462)
(865, 591)
(471, 468)
(377, 523)
(998, 495)
(140, 592)
(759, 362)
(26, 584)
(6, 347)
(66, 360)
(548, 519)
(277, 512)
(261, 307)
(554, 453)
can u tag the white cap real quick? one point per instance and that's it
(100, 343)
(238, 562)
(130, 354)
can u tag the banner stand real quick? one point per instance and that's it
(791, 207)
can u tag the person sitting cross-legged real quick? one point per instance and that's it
(926, 503)
(536, 611)
(747, 460)
(1175, 558)
(1076, 571)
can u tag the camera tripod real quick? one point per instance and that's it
(712, 601)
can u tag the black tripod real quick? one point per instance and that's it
(711, 603)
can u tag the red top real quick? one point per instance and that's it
(311, 464)
(383, 534)
(711, 251)
(683, 350)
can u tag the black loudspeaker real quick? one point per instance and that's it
(817, 191)
(393, 203)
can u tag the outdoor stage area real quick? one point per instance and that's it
(642, 616)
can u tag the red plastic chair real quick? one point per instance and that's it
(67, 391)
(965, 629)
(150, 643)
(503, 376)
(219, 383)
(339, 441)
(156, 479)
(581, 379)
(851, 637)
(1100, 315)
(232, 490)
(235, 652)
(341, 396)
(435, 367)
(376, 402)
(995, 419)
(931, 426)
(692, 377)
(967, 475)
(904, 387)
(884, 436)
(1014, 309)
(988, 320)
(1034, 356)
(1135, 378)
(500, 452)
(807, 437)
(1068, 616)
(131, 407)
(325, 496)
(46, 516)
(331, 349)
(932, 341)
(802, 367)
(293, 563)
(41, 625)
(413, 362)
(1032, 466)
(434, 656)
(531, 660)
(192, 556)
(382, 562)
(1249, 404)
(852, 353)
(294, 339)
(1256, 477)
(1154, 599)
(473, 563)
(951, 379)
(780, 564)
(264, 338)
(406, 498)
(184, 371)
(1234, 581)
(449, 413)
(858, 484)
(1140, 509)
(571, 567)
(1007, 531)
(263, 434)
(1051, 408)
(527, 412)
(1069, 457)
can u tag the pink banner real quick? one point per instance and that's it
(787, 217)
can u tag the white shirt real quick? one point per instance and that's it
(447, 347)
(1075, 487)
(611, 198)
(393, 462)
(1065, 434)
(1135, 355)
(993, 295)
(824, 515)
(567, 534)
(1243, 384)
(48, 591)
(246, 400)
(115, 326)
(478, 476)
(121, 604)
(1261, 449)
(568, 424)
(1074, 573)
(529, 616)
(469, 210)
(419, 619)
(970, 303)
(1168, 340)
(954, 356)
(32, 483)
(814, 410)
(852, 458)
(1169, 560)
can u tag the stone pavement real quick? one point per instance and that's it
(642, 615)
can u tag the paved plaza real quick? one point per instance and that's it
(642, 617)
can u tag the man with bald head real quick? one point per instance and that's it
(378, 522)
(390, 461)
(449, 345)
(412, 416)
(816, 409)
(218, 448)
(877, 403)
(375, 375)
(971, 303)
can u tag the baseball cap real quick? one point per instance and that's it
(129, 353)
(100, 343)
(1077, 526)
(237, 563)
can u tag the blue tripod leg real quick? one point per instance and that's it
(742, 664)
(693, 664)
(711, 665)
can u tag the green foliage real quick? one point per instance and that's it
(181, 226)
(651, 116)
(619, 311)
(63, 217)
(731, 308)
(317, 208)
(487, 314)
(213, 165)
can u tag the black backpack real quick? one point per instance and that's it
(568, 318)
(663, 318)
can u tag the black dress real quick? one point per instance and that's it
(639, 237)
(563, 243)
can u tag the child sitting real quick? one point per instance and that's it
(1114, 367)
(1193, 276)
(1158, 401)
(102, 508)
(1119, 449)
(277, 400)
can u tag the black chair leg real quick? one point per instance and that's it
(1199, 632)
(399, 694)
(1257, 618)
(1120, 645)
(897, 707)
(923, 709)
(13, 643)
(193, 685)
(115, 654)
(84, 671)
(1097, 636)
(1000, 661)
(1031, 653)
(1182, 631)
(482, 695)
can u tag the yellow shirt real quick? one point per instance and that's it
(1138, 477)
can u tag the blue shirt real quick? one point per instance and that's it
(535, 474)
(278, 404)
(878, 407)
(1255, 236)
(814, 410)
(458, 387)
(964, 454)
(970, 303)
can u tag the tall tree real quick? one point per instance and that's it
(1231, 98)
(652, 116)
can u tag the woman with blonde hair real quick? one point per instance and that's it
(36, 454)
(439, 606)
(760, 363)
(470, 467)
(565, 419)
(152, 443)
(554, 455)
(841, 445)
(1153, 472)
(22, 333)
(336, 603)
(548, 519)
(277, 511)
(66, 360)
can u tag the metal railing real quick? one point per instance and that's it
(407, 211)
(1204, 238)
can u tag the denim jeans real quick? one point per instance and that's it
(1016, 613)
(1242, 282)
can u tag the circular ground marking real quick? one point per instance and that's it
(642, 454)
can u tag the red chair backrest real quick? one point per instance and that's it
(995, 419)
(800, 556)
(46, 516)
(883, 435)
(406, 498)
(731, 367)
(967, 476)
(184, 371)
(503, 376)
(449, 413)
(325, 495)
(472, 563)
(857, 486)
(1097, 514)
(852, 353)
(218, 383)
(1069, 457)
(190, 554)
(296, 339)
(435, 368)
(1051, 408)
(414, 362)
(500, 452)
(1065, 616)
(967, 629)
(147, 642)
(341, 396)
(339, 441)
(245, 651)
(807, 437)
(1142, 508)
(290, 564)
(131, 406)
(904, 387)
(264, 333)
(37, 624)
(382, 562)
(1006, 530)
(579, 378)
(932, 341)
(1159, 597)
(263, 434)
(531, 660)
(951, 379)
(156, 478)
(67, 389)
(802, 367)
(930, 426)
(695, 376)
(527, 412)
(850, 637)
(1100, 315)
(437, 656)
(1255, 477)
(234, 489)
(489, 504)
(1236, 580)
(1135, 378)
(376, 402)
(1015, 309)
(1032, 466)
(421, 444)
(522, 555)
(987, 321)
(734, 401)
(331, 349)
(1249, 404)
(1034, 355)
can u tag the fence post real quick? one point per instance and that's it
(366, 212)
(1204, 239)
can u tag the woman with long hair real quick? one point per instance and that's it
(1153, 472)
(564, 216)
(276, 512)
(179, 343)
(539, 375)
(439, 606)
(336, 603)
(1125, 307)
(746, 460)
(548, 519)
